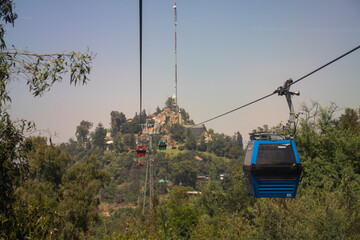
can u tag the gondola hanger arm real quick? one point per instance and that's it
(285, 91)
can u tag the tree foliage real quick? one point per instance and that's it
(177, 217)
(83, 130)
(350, 120)
(177, 132)
(190, 141)
(47, 193)
(98, 137)
(40, 71)
(158, 110)
(184, 173)
(170, 102)
(33, 218)
(117, 119)
(326, 206)
(79, 205)
(13, 166)
(185, 117)
(54, 199)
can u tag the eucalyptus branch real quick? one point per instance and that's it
(41, 71)
(24, 52)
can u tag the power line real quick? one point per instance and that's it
(298, 80)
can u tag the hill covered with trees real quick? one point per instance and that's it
(326, 206)
(92, 187)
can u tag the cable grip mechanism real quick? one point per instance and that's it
(285, 91)
(273, 135)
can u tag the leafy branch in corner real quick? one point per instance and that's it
(41, 71)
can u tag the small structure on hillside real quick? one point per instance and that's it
(203, 178)
(193, 192)
(195, 130)
(151, 116)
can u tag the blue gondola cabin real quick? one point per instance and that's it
(141, 150)
(272, 168)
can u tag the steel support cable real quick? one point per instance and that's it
(221, 115)
(140, 50)
(325, 65)
(262, 98)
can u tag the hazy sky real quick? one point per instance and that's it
(230, 52)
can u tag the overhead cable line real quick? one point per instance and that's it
(221, 115)
(275, 92)
(140, 50)
(176, 93)
(318, 69)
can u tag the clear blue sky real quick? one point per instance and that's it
(229, 53)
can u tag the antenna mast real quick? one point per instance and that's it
(176, 97)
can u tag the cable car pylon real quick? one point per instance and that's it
(151, 130)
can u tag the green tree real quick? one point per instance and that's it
(40, 71)
(46, 163)
(119, 144)
(177, 132)
(38, 197)
(158, 110)
(134, 126)
(79, 204)
(218, 144)
(117, 119)
(202, 146)
(83, 130)
(13, 166)
(130, 141)
(184, 173)
(98, 137)
(236, 146)
(190, 141)
(178, 217)
(238, 139)
(350, 119)
(185, 116)
(235, 151)
(170, 102)
(48, 201)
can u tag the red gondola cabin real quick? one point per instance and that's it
(141, 150)
(141, 164)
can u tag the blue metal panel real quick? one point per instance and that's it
(274, 188)
(255, 152)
